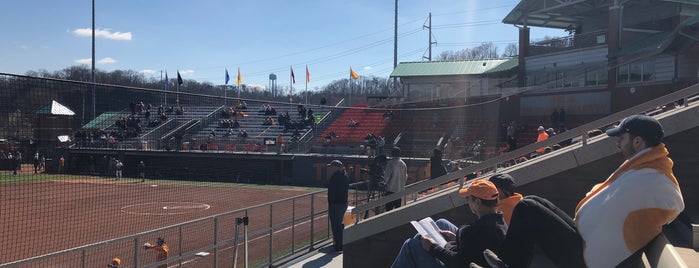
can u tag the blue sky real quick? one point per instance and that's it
(201, 38)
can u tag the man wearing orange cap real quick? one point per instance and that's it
(614, 221)
(464, 244)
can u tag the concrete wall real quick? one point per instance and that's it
(563, 176)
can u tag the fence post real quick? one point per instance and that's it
(137, 248)
(271, 230)
(245, 222)
(313, 218)
(179, 250)
(82, 258)
(293, 224)
(215, 243)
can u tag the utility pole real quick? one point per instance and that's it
(430, 43)
(395, 45)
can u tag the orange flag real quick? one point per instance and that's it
(354, 75)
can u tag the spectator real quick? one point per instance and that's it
(229, 133)
(337, 200)
(437, 168)
(511, 129)
(396, 174)
(615, 220)
(555, 118)
(435, 120)
(329, 137)
(465, 244)
(511, 143)
(280, 143)
(353, 123)
(542, 137)
(508, 198)
(561, 118)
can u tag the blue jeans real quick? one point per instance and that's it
(413, 255)
(336, 212)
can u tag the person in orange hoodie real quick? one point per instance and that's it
(507, 195)
(615, 219)
(542, 136)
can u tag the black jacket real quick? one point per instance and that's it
(488, 232)
(338, 188)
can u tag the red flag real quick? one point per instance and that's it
(308, 75)
(293, 79)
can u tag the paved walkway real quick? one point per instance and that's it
(319, 258)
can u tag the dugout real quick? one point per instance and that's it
(209, 166)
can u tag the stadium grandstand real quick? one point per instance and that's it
(91, 172)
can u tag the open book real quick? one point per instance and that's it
(427, 227)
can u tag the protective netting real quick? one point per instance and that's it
(92, 172)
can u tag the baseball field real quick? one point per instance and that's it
(43, 214)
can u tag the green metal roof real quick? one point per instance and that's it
(442, 68)
(104, 120)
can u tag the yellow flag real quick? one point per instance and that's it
(240, 77)
(354, 75)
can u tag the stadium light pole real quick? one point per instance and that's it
(92, 74)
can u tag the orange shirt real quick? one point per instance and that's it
(542, 136)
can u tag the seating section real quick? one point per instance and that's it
(220, 134)
(370, 121)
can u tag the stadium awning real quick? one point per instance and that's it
(55, 108)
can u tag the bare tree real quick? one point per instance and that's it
(511, 50)
(486, 50)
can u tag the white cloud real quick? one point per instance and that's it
(25, 47)
(103, 33)
(106, 60)
(368, 68)
(186, 72)
(84, 61)
(254, 87)
(148, 72)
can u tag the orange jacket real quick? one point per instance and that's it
(542, 136)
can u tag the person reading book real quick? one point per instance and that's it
(463, 244)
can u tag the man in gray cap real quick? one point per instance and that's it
(338, 188)
(614, 221)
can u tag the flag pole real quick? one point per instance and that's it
(291, 84)
(177, 98)
(164, 86)
(307, 84)
(350, 89)
(237, 81)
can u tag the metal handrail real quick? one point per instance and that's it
(492, 163)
